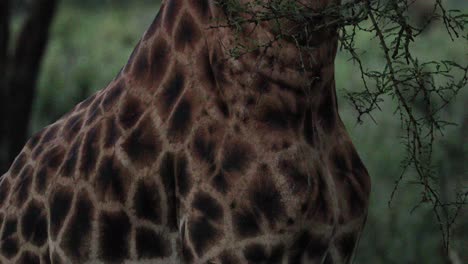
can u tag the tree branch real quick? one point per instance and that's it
(25, 66)
(4, 39)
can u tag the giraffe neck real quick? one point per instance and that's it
(192, 154)
(185, 40)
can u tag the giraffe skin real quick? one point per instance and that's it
(192, 156)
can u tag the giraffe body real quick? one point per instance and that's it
(191, 156)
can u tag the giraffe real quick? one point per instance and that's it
(192, 156)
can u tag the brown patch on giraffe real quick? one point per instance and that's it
(262, 85)
(112, 180)
(258, 253)
(326, 112)
(205, 72)
(173, 7)
(150, 244)
(41, 179)
(33, 223)
(237, 156)
(94, 111)
(4, 191)
(130, 112)
(147, 201)
(90, 151)
(140, 67)
(297, 177)
(37, 151)
(113, 94)
(313, 246)
(203, 234)
(50, 134)
(72, 127)
(208, 206)
(265, 198)
(114, 236)
(76, 241)
(60, 202)
(187, 33)
(143, 145)
(206, 143)
(278, 113)
(223, 107)
(171, 92)
(309, 128)
(159, 62)
(35, 139)
(246, 222)
(181, 120)
(276, 253)
(10, 238)
(18, 164)
(22, 187)
(202, 8)
(319, 209)
(56, 258)
(53, 158)
(112, 133)
(228, 258)
(218, 64)
(346, 244)
(71, 159)
(220, 183)
(316, 248)
(206, 76)
(184, 179)
(167, 172)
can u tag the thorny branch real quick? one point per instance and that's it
(406, 78)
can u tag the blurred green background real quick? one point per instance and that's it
(91, 41)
